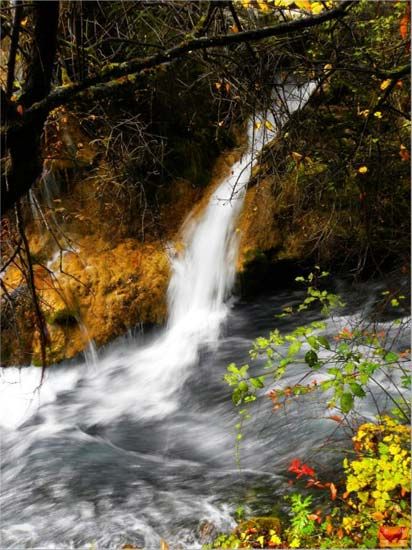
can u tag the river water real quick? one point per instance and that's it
(73, 477)
(137, 445)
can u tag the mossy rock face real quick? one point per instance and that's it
(262, 524)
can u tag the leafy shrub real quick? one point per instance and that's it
(370, 506)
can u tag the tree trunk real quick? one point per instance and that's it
(24, 142)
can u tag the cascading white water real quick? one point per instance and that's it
(144, 381)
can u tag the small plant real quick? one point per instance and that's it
(301, 524)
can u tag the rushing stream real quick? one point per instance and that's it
(138, 445)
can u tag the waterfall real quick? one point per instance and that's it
(145, 381)
(134, 445)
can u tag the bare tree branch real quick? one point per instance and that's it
(64, 94)
(14, 43)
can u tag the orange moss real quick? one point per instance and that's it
(257, 224)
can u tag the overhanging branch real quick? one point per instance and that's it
(25, 127)
(62, 95)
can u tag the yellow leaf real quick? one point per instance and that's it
(363, 169)
(303, 4)
(263, 6)
(317, 7)
(258, 125)
(275, 539)
(23, 22)
(268, 125)
(385, 83)
(378, 114)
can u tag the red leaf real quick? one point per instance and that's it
(403, 27)
(294, 466)
(300, 469)
(392, 533)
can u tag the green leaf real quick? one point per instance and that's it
(357, 389)
(262, 342)
(257, 382)
(232, 368)
(335, 371)
(349, 368)
(406, 381)
(243, 386)
(327, 384)
(346, 402)
(313, 342)
(383, 449)
(391, 357)
(294, 348)
(343, 348)
(237, 397)
(243, 370)
(311, 358)
(323, 341)
(250, 398)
